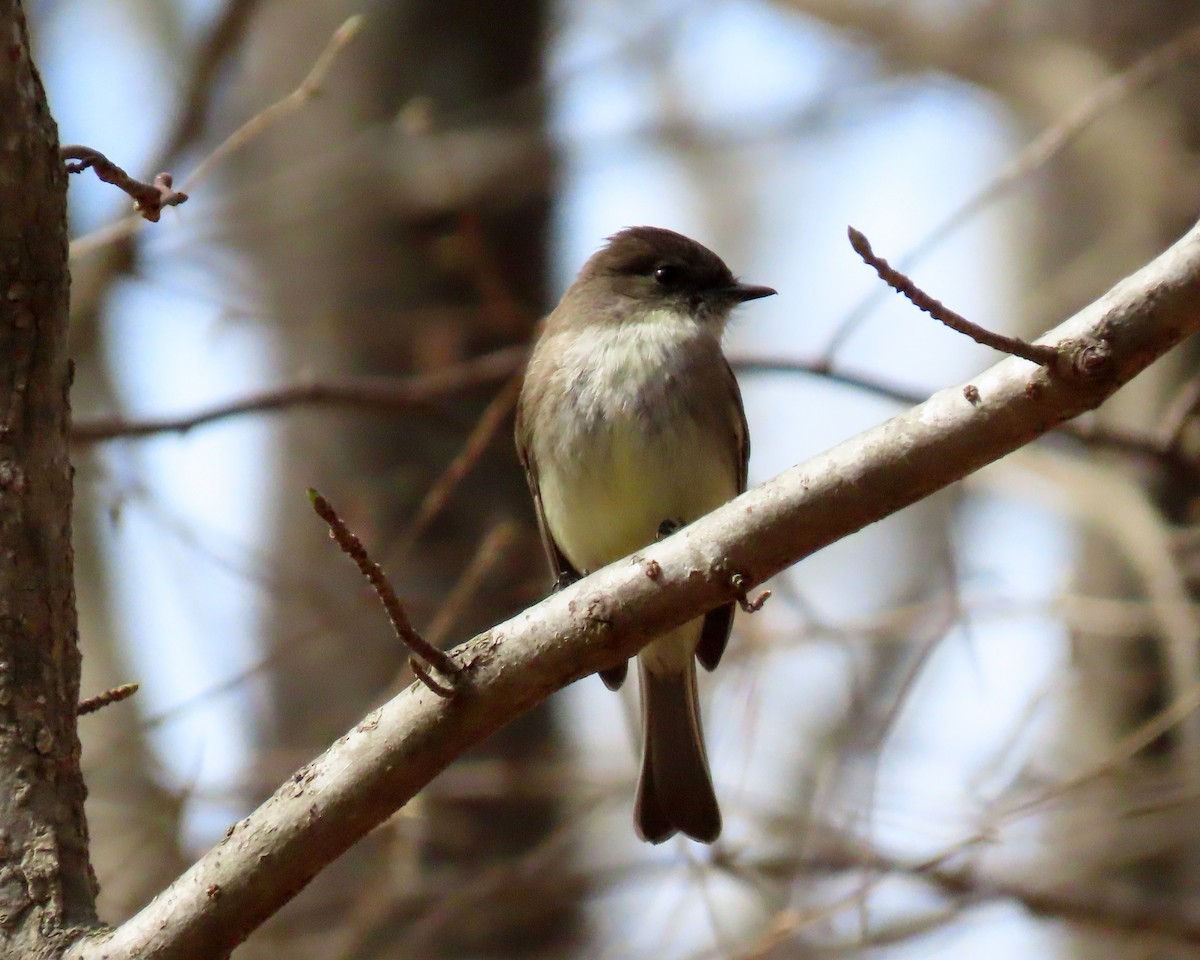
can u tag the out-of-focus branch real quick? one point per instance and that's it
(924, 39)
(386, 759)
(385, 393)
(968, 45)
(212, 54)
(495, 416)
(952, 875)
(309, 87)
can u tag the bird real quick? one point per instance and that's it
(630, 425)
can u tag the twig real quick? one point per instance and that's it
(309, 87)
(826, 371)
(1123, 440)
(1037, 353)
(381, 393)
(396, 393)
(419, 671)
(1180, 413)
(490, 552)
(388, 394)
(1089, 433)
(228, 31)
(148, 198)
(742, 586)
(964, 883)
(1125, 749)
(405, 632)
(1036, 154)
(494, 416)
(102, 700)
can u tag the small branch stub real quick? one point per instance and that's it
(102, 700)
(148, 198)
(742, 586)
(1084, 359)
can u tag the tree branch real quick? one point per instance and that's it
(954, 875)
(421, 390)
(384, 393)
(1045, 355)
(395, 751)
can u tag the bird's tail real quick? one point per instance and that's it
(675, 790)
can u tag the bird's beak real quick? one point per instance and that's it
(741, 292)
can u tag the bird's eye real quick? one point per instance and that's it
(667, 274)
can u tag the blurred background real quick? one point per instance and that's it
(968, 731)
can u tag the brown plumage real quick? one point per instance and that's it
(630, 422)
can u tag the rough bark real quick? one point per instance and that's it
(46, 883)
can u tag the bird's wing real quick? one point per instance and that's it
(718, 623)
(560, 566)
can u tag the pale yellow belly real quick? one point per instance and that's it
(611, 496)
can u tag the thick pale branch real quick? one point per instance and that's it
(384, 761)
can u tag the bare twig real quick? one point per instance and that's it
(1125, 749)
(952, 875)
(494, 416)
(826, 371)
(1036, 154)
(388, 394)
(309, 87)
(748, 605)
(102, 700)
(1105, 436)
(148, 198)
(379, 393)
(213, 52)
(1180, 413)
(1037, 353)
(419, 671)
(491, 551)
(405, 632)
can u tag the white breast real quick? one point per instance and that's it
(635, 448)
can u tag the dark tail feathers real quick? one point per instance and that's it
(675, 791)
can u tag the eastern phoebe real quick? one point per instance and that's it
(630, 425)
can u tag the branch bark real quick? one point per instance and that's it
(395, 751)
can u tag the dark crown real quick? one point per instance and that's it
(642, 250)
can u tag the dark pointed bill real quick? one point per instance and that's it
(741, 292)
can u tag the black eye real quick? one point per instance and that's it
(668, 274)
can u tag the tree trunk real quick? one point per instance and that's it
(46, 881)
